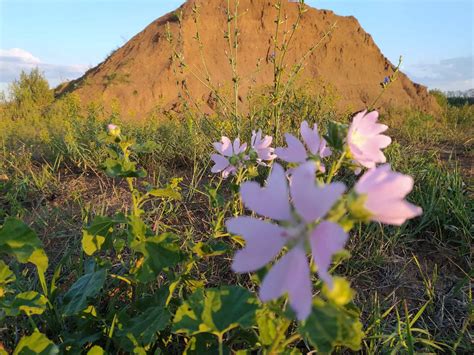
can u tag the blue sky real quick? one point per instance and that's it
(65, 37)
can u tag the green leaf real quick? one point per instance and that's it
(96, 350)
(150, 317)
(212, 248)
(6, 277)
(329, 326)
(165, 193)
(137, 229)
(123, 168)
(94, 236)
(30, 302)
(203, 344)
(267, 326)
(88, 286)
(77, 340)
(145, 148)
(216, 311)
(159, 252)
(21, 242)
(91, 243)
(36, 343)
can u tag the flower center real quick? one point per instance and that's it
(358, 138)
(297, 233)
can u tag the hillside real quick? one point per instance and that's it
(141, 76)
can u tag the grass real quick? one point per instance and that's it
(413, 282)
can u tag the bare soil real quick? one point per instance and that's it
(140, 77)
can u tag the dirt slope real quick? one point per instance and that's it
(140, 76)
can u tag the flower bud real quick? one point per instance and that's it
(253, 155)
(234, 160)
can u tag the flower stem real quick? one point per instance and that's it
(221, 344)
(291, 339)
(335, 167)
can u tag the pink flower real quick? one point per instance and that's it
(314, 147)
(113, 130)
(385, 191)
(300, 216)
(262, 146)
(229, 157)
(365, 141)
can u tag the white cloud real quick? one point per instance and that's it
(13, 61)
(18, 55)
(448, 74)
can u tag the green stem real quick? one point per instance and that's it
(276, 73)
(335, 167)
(135, 202)
(240, 176)
(221, 344)
(291, 339)
(32, 322)
(393, 78)
(282, 328)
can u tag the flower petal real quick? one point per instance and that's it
(311, 201)
(264, 242)
(224, 146)
(327, 239)
(365, 141)
(324, 150)
(290, 275)
(271, 201)
(394, 212)
(220, 161)
(385, 191)
(294, 153)
(229, 170)
(310, 137)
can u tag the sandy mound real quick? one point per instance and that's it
(140, 76)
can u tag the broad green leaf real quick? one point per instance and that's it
(123, 168)
(158, 252)
(77, 340)
(143, 328)
(203, 344)
(165, 193)
(137, 229)
(150, 317)
(145, 148)
(30, 302)
(89, 285)
(267, 326)
(96, 350)
(145, 325)
(94, 236)
(352, 331)
(91, 243)
(36, 343)
(6, 277)
(20, 241)
(211, 248)
(40, 259)
(329, 326)
(216, 311)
